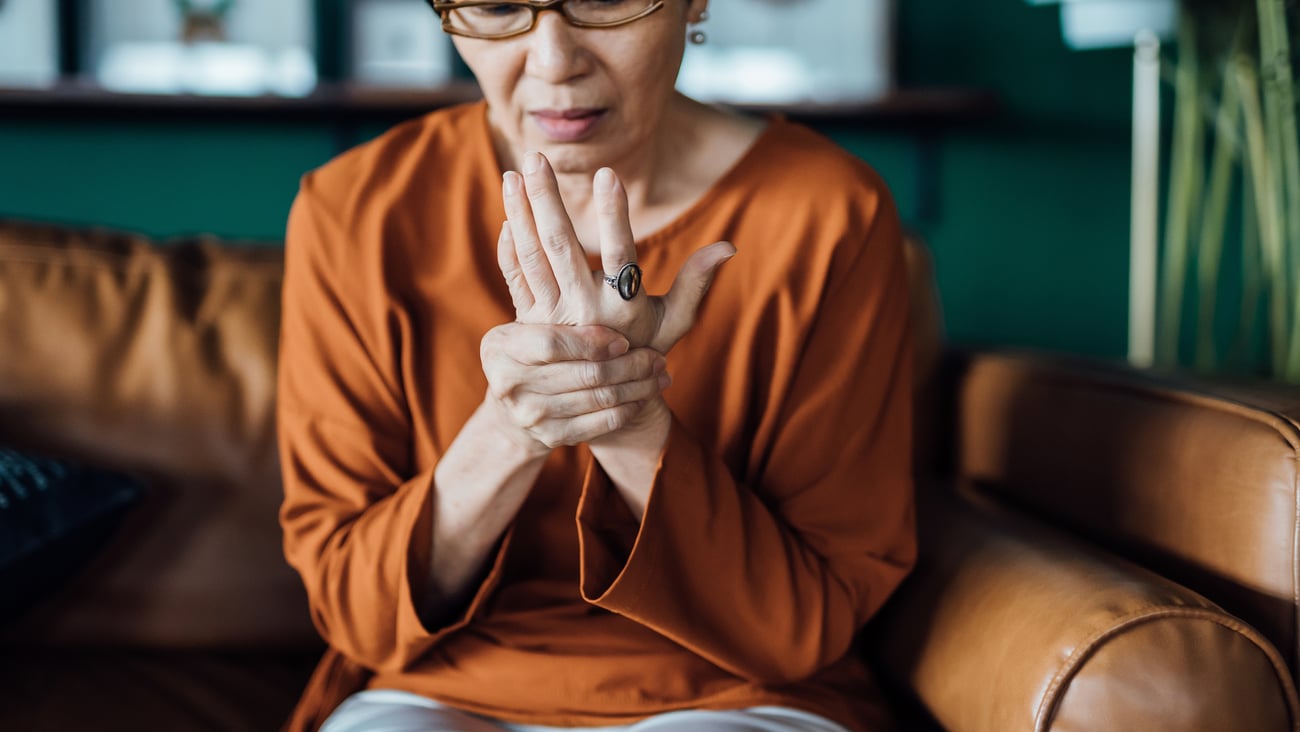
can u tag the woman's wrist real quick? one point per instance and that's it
(498, 420)
(630, 456)
(647, 432)
(480, 482)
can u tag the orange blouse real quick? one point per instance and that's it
(781, 515)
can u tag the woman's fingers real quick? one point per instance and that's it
(537, 409)
(570, 376)
(538, 344)
(617, 244)
(537, 397)
(528, 249)
(688, 290)
(588, 427)
(553, 226)
(548, 272)
(508, 260)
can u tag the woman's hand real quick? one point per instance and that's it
(544, 264)
(563, 385)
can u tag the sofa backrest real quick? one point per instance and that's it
(159, 361)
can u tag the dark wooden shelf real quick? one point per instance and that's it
(328, 101)
(356, 103)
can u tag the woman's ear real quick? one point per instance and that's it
(695, 10)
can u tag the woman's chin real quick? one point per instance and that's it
(575, 158)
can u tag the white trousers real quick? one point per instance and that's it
(386, 710)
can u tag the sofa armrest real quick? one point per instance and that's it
(1007, 625)
(1194, 478)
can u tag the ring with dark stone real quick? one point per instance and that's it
(627, 282)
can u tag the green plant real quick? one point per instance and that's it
(1235, 107)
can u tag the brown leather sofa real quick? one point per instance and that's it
(1066, 508)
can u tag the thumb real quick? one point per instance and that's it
(688, 290)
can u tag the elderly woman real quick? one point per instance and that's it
(557, 455)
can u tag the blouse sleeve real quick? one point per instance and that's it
(771, 580)
(356, 516)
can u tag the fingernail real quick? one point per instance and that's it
(605, 180)
(660, 364)
(532, 163)
(665, 381)
(511, 180)
(618, 347)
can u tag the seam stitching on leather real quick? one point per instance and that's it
(1050, 701)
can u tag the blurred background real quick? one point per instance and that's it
(1007, 151)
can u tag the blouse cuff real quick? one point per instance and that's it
(621, 560)
(416, 572)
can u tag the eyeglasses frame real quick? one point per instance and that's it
(444, 8)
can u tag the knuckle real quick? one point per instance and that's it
(645, 363)
(499, 391)
(532, 258)
(562, 437)
(549, 297)
(490, 340)
(515, 280)
(643, 389)
(590, 374)
(489, 356)
(539, 193)
(555, 241)
(553, 349)
(578, 347)
(605, 397)
(527, 415)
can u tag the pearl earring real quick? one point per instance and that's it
(697, 36)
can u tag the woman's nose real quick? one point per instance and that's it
(555, 51)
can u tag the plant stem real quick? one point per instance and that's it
(1216, 214)
(1243, 351)
(1268, 215)
(1280, 108)
(1184, 189)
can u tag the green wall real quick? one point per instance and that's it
(1031, 233)
(1027, 215)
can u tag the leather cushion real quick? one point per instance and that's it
(1007, 625)
(128, 691)
(54, 517)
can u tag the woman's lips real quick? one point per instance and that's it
(568, 125)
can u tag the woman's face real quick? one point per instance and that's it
(584, 97)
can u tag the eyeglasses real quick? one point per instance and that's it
(497, 20)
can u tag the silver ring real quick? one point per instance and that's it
(627, 282)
